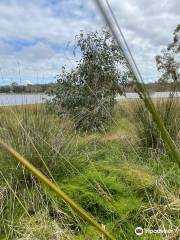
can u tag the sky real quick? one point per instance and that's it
(37, 36)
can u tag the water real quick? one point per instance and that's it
(21, 99)
(153, 95)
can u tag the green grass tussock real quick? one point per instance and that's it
(149, 135)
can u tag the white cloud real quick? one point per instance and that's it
(148, 27)
(35, 33)
(38, 52)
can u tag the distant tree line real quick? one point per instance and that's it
(43, 88)
(29, 88)
(156, 86)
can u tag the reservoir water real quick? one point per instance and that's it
(21, 99)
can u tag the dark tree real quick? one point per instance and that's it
(88, 92)
(168, 63)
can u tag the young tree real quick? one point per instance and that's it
(88, 92)
(14, 87)
(168, 63)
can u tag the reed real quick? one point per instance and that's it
(148, 134)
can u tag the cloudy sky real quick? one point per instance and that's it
(36, 37)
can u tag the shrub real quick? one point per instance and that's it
(87, 92)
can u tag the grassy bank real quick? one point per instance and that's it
(122, 183)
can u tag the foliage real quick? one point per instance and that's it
(88, 92)
(148, 134)
(168, 62)
(26, 88)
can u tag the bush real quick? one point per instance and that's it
(87, 93)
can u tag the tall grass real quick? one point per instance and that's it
(104, 172)
(148, 133)
(20, 131)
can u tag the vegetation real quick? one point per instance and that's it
(88, 92)
(28, 88)
(168, 62)
(49, 87)
(147, 130)
(104, 172)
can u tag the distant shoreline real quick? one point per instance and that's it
(23, 93)
(43, 93)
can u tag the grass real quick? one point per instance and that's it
(109, 174)
(148, 132)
